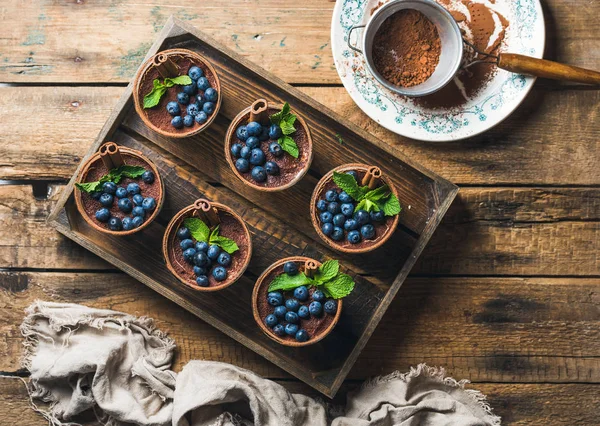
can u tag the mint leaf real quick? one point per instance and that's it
(132, 172)
(214, 234)
(182, 80)
(327, 271)
(153, 98)
(198, 228)
(391, 207)
(113, 175)
(88, 187)
(348, 184)
(225, 243)
(368, 205)
(289, 282)
(289, 145)
(341, 286)
(278, 116)
(287, 126)
(378, 193)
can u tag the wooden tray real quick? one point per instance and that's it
(279, 222)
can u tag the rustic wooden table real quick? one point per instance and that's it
(507, 294)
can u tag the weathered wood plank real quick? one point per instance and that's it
(482, 329)
(550, 145)
(289, 39)
(499, 231)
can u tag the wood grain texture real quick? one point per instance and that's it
(289, 39)
(482, 329)
(548, 141)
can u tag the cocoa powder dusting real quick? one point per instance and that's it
(406, 48)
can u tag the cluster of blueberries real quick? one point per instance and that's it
(204, 257)
(197, 109)
(250, 154)
(339, 218)
(137, 205)
(288, 314)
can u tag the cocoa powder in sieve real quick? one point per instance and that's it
(406, 48)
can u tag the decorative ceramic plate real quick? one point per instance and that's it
(489, 106)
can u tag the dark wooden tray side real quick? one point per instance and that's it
(279, 223)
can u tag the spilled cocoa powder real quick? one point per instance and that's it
(406, 48)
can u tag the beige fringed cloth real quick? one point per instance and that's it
(119, 366)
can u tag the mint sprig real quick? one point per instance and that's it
(328, 277)
(113, 175)
(152, 98)
(201, 232)
(285, 120)
(381, 198)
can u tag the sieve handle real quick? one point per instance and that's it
(547, 69)
(354, 27)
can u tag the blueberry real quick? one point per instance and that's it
(96, 195)
(235, 150)
(192, 109)
(361, 217)
(290, 268)
(377, 216)
(186, 244)
(137, 221)
(353, 174)
(195, 73)
(148, 177)
(259, 174)
(330, 307)
(292, 305)
(183, 233)
(334, 207)
(303, 312)
(200, 271)
(209, 107)
(292, 317)
(173, 108)
(279, 330)
(350, 225)
(213, 252)
(138, 199)
(257, 157)
(189, 89)
(354, 237)
(272, 168)
(367, 231)
(339, 219)
(125, 205)
(103, 215)
(242, 133)
(203, 83)
(318, 296)
(219, 273)
(242, 165)
(183, 98)
(115, 224)
(337, 234)
(201, 246)
(202, 280)
(201, 259)
(327, 228)
(275, 298)
(133, 188)
(275, 149)
(302, 335)
(280, 311)
(109, 188)
(264, 135)
(331, 195)
(224, 259)
(344, 197)
(291, 329)
(245, 153)
(127, 224)
(275, 132)
(177, 122)
(253, 128)
(322, 205)
(188, 254)
(315, 308)
(106, 200)
(347, 209)
(149, 204)
(326, 217)
(271, 320)
(201, 117)
(301, 293)
(188, 120)
(138, 211)
(211, 94)
(252, 142)
(121, 192)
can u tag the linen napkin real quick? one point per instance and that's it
(118, 365)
